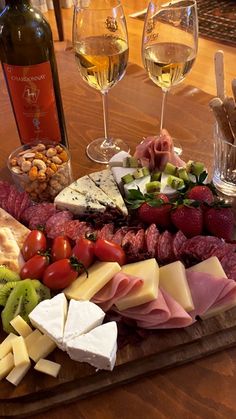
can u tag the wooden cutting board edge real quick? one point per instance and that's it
(121, 375)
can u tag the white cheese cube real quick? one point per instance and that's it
(6, 365)
(82, 317)
(6, 345)
(31, 339)
(20, 352)
(48, 367)
(49, 317)
(42, 347)
(21, 326)
(98, 347)
(18, 373)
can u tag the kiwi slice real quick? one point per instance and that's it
(42, 291)
(7, 275)
(21, 300)
(5, 291)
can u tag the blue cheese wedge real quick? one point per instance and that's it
(78, 203)
(98, 347)
(49, 317)
(82, 317)
(86, 186)
(106, 182)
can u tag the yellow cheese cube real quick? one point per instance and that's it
(211, 266)
(148, 271)
(48, 367)
(173, 280)
(6, 345)
(18, 373)
(6, 365)
(43, 347)
(31, 339)
(21, 326)
(85, 287)
(20, 352)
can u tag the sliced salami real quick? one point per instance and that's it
(200, 248)
(4, 190)
(41, 214)
(178, 241)
(25, 203)
(75, 229)
(139, 243)
(106, 232)
(164, 250)
(10, 204)
(127, 242)
(152, 235)
(55, 225)
(118, 236)
(27, 213)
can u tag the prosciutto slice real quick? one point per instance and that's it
(154, 152)
(210, 294)
(120, 285)
(162, 313)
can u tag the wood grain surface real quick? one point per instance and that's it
(199, 389)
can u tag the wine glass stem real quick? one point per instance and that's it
(164, 96)
(108, 140)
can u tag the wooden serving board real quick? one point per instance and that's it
(162, 349)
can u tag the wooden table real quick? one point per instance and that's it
(200, 389)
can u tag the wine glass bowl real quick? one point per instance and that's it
(100, 42)
(169, 44)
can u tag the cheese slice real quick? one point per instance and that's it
(86, 186)
(20, 352)
(106, 182)
(78, 203)
(118, 159)
(10, 254)
(98, 347)
(6, 345)
(19, 231)
(18, 373)
(42, 347)
(86, 286)
(48, 367)
(137, 184)
(82, 317)
(49, 317)
(21, 326)
(30, 340)
(211, 266)
(6, 365)
(119, 172)
(148, 271)
(173, 280)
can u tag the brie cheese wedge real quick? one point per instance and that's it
(97, 347)
(82, 317)
(49, 317)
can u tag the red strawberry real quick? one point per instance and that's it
(188, 219)
(220, 222)
(156, 211)
(201, 193)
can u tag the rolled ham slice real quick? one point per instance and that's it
(210, 295)
(119, 286)
(162, 313)
(154, 152)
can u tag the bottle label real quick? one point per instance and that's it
(33, 100)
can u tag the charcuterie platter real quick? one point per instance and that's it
(146, 352)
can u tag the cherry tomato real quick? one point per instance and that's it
(109, 252)
(35, 242)
(34, 267)
(61, 248)
(62, 273)
(84, 251)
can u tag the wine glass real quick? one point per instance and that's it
(100, 42)
(169, 45)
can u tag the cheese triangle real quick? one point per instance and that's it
(97, 347)
(49, 317)
(78, 203)
(86, 186)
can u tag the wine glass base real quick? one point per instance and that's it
(100, 153)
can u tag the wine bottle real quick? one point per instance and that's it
(30, 70)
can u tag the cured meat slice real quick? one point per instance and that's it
(25, 203)
(119, 235)
(4, 190)
(152, 235)
(55, 225)
(27, 214)
(128, 240)
(164, 250)
(199, 248)
(106, 232)
(11, 199)
(178, 241)
(40, 214)
(162, 313)
(119, 286)
(134, 245)
(210, 294)
(75, 229)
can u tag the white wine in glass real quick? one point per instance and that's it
(169, 45)
(101, 50)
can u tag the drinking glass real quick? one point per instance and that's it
(169, 44)
(100, 42)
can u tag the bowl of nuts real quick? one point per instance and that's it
(42, 170)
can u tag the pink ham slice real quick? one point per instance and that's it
(162, 313)
(156, 151)
(209, 292)
(119, 286)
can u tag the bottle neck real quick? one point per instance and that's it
(18, 2)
